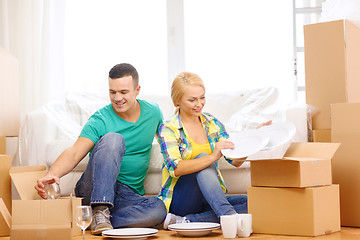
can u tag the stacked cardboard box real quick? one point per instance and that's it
(345, 119)
(10, 146)
(295, 195)
(5, 194)
(34, 218)
(332, 55)
(9, 94)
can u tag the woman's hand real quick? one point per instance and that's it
(264, 124)
(226, 144)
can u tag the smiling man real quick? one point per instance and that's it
(119, 138)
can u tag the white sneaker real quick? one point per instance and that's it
(172, 219)
(101, 221)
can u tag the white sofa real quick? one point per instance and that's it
(46, 132)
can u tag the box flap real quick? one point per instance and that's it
(312, 150)
(5, 217)
(24, 179)
(303, 159)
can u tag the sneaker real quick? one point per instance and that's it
(172, 219)
(101, 221)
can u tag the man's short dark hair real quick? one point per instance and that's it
(123, 70)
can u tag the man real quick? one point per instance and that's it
(118, 137)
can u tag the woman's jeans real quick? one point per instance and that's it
(200, 198)
(99, 185)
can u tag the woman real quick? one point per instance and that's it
(193, 189)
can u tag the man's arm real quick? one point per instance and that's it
(65, 163)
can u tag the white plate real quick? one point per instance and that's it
(246, 143)
(129, 237)
(278, 133)
(130, 233)
(194, 229)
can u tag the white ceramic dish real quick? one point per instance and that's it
(194, 229)
(278, 133)
(246, 143)
(130, 233)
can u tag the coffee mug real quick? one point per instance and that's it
(229, 225)
(244, 225)
(236, 224)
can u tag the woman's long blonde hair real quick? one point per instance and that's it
(179, 84)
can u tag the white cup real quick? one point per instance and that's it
(229, 225)
(236, 224)
(244, 225)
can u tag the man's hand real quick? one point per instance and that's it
(40, 188)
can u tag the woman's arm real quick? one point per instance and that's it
(194, 165)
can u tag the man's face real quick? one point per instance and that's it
(123, 94)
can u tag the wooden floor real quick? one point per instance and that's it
(344, 234)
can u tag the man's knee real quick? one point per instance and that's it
(158, 210)
(113, 140)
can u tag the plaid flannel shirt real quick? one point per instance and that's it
(175, 147)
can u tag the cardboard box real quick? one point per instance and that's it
(5, 219)
(332, 54)
(9, 146)
(9, 93)
(36, 218)
(323, 135)
(5, 180)
(2, 145)
(345, 120)
(295, 211)
(303, 165)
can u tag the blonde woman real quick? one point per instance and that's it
(193, 189)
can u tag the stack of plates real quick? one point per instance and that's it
(279, 133)
(130, 233)
(268, 137)
(194, 229)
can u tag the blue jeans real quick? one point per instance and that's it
(99, 185)
(200, 198)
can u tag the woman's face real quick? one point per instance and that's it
(193, 101)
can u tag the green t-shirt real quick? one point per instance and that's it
(138, 139)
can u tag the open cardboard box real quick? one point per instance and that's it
(304, 164)
(36, 218)
(5, 219)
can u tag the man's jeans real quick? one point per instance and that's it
(200, 198)
(99, 185)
